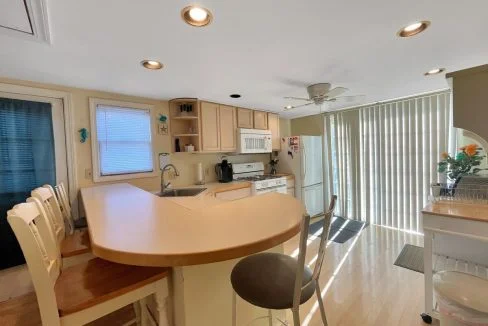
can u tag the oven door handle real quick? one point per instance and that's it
(270, 189)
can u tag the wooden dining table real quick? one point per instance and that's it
(201, 237)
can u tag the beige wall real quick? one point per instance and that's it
(470, 99)
(310, 125)
(184, 161)
(285, 127)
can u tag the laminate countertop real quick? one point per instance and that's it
(476, 212)
(129, 225)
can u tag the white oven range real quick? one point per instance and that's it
(261, 183)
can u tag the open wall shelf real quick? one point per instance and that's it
(184, 123)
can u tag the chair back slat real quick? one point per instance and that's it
(35, 236)
(50, 204)
(324, 237)
(297, 291)
(65, 205)
(299, 286)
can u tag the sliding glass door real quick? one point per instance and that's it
(383, 158)
(32, 153)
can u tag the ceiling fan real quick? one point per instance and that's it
(321, 93)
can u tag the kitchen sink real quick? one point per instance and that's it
(187, 192)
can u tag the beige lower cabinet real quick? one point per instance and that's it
(228, 128)
(274, 127)
(234, 194)
(260, 120)
(210, 127)
(245, 118)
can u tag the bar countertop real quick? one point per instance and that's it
(129, 225)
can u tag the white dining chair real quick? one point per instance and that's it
(65, 205)
(80, 294)
(278, 281)
(70, 245)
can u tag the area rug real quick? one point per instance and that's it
(411, 257)
(340, 232)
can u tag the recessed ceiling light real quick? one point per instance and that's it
(288, 107)
(235, 95)
(434, 71)
(151, 64)
(196, 16)
(413, 28)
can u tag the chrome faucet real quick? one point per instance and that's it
(167, 167)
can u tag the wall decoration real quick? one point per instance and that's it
(83, 135)
(163, 125)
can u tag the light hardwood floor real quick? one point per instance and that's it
(361, 286)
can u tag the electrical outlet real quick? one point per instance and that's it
(88, 173)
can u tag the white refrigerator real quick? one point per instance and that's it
(302, 156)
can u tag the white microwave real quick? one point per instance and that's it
(251, 141)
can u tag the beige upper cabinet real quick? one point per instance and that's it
(228, 128)
(260, 120)
(274, 127)
(210, 126)
(245, 118)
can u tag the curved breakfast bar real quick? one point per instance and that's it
(201, 236)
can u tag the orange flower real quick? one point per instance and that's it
(444, 155)
(471, 149)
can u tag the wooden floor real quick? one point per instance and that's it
(361, 286)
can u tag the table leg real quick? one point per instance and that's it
(429, 289)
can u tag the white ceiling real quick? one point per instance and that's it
(264, 50)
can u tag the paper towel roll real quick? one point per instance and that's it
(200, 179)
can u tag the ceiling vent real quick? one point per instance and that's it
(25, 18)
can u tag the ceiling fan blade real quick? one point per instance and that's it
(336, 92)
(296, 98)
(348, 99)
(298, 106)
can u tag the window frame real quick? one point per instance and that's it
(97, 176)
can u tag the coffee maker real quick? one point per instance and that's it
(224, 171)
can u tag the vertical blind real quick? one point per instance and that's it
(384, 157)
(124, 140)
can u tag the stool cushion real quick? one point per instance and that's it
(465, 289)
(267, 280)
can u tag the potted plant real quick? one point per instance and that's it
(273, 163)
(465, 162)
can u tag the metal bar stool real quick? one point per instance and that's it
(278, 281)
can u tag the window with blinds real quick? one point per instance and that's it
(123, 140)
(382, 158)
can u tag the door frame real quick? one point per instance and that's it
(68, 111)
